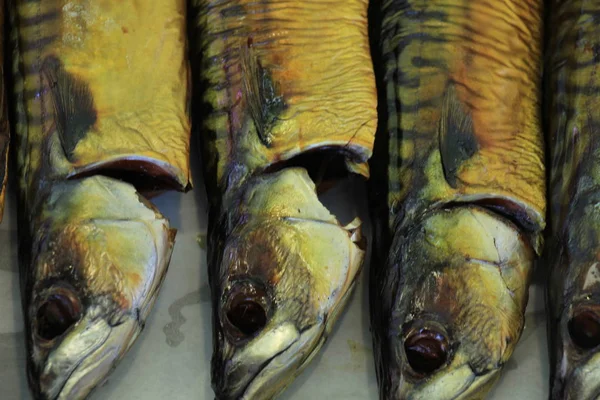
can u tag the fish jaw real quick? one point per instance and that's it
(452, 304)
(577, 373)
(85, 358)
(99, 255)
(290, 257)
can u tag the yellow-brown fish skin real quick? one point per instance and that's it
(285, 85)
(573, 250)
(101, 95)
(458, 191)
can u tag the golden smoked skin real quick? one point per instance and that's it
(283, 78)
(111, 80)
(282, 81)
(102, 93)
(469, 103)
(465, 188)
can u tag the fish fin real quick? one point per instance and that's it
(262, 93)
(458, 142)
(73, 104)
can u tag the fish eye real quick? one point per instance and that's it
(57, 313)
(246, 310)
(426, 350)
(584, 329)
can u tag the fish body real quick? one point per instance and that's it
(572, 104)
(4, 123)
(101, 96)
(285, 85)
(458, 191)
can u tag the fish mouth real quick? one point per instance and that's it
(252, 374)
(427, 364)
(460, 384)
(583, 383)
(83, 359)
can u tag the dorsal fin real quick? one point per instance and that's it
(262, 94)
(458, 142)
(73, 105)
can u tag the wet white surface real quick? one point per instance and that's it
(172, 356)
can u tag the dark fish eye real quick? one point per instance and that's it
(426, 351)
(248, 316)
(584, 329)
(57, 314)
(246, 310)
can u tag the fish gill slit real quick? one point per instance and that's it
(327, 168)
(505, 209)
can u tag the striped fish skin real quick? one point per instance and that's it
(101, 96)
(572, 104)
(286, 85)
(458, 191)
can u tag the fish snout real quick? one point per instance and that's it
(83, 358)
(263, 367)
(231, 379)
(582, 384)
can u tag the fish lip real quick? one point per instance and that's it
(404, 384)
(472, 384)
(570, 386)
(43, 393)
(92, 365)
(222, 392)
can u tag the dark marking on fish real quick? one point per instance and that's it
(421, 62)
(28, 45)
(263, 95)
(40, 18)
(174, 337)
(234, 11)
(458, 142)
(73, 105)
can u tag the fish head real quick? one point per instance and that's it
(454, 300)
(574, 305)
(576, 373)
(99, 254)
(286, 271)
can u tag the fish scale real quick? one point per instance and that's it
(458, 191)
